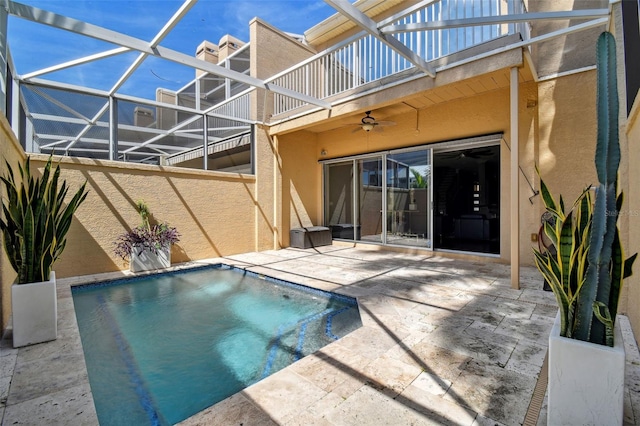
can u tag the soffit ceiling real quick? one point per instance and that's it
(466, 88)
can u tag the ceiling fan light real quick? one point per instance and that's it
(367, 127)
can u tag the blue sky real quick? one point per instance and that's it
(35, 46)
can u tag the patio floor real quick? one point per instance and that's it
(444, 341)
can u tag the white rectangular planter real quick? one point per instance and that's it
(586, 380)
(34, 308)
(148, 260)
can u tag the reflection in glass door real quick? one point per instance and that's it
(387, 200)
(338, 206)
(370, 175)
(409, 198)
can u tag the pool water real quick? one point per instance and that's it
(164, 347)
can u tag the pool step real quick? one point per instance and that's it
(291, 338)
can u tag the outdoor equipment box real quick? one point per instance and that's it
(345, 231)
(313, 236)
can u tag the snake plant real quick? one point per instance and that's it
(588, 268)
(35, 220)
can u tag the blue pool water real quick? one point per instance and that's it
(161, 348)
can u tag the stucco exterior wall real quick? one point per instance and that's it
(301, 178)
(214, 213)
(568, 133)
(631, 208)
(271, 52)
(10, 151)
(209, 209)
(568, 52)
(473, 116)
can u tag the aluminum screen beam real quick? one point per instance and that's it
(99, 33)
(73, 63)
(186, 6)
(112, 103)
(370, 26)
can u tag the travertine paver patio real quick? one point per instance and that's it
(443, 341)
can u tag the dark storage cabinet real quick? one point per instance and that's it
(345, 231)
(313, 236)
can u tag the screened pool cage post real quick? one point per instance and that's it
(197, 93)
(205, 144)
(4, 14)
(113, 128)
(227, 81)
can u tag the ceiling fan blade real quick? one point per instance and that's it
(386, 123)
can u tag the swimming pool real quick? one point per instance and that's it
(161, 348)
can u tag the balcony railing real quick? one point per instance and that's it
(365, 59)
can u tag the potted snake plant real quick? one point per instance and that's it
(586, 271)
(34, 226)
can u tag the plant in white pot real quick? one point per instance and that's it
(34, 226)
(147, 247)
(585, 272)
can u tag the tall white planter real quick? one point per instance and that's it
(586, 380)
(34, 308)
(147, 260)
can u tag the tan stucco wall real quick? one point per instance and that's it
(567, 127)
(271, 52)
(10, 151)
(474, 116)
(214, 212)
(301, 180)
(209, 209)
(568, 52)
(632, 208)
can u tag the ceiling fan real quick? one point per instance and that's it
(470, 153)
(369, 123)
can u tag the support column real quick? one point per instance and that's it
(515, 186)
(113, 128)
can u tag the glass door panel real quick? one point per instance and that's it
(409, 198)
(370, 187)
(467, 199)
(339, 199)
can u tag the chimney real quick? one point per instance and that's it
(142, 117)
(228, 45)
(208, 52)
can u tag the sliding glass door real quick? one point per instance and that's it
(467, 199)
(445, 197)
(409, 198)
(386, 200)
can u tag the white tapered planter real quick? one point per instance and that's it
(147, 260)
(586, 380)
(34, 307)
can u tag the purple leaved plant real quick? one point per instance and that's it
(140, 238)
